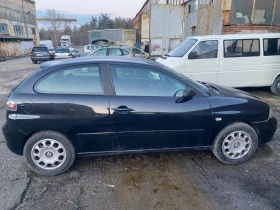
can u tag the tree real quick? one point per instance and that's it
(105, 22)
(93, 23)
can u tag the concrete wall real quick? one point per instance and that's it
(14, 48)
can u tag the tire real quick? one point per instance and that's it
(53, 149)
(34, 62)
(235, 144)
(275, 88)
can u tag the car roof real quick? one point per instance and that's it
(238, 36)
(99, 59)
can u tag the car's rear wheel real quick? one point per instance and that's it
(275, 88)
(49, 153)
(34, 62)
(235, 144)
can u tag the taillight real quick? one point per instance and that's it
(83, 50)
(11, 106)
(69, 55)
(31, 54)
(55, 55)
(48, 54)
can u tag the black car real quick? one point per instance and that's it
(107, 105)
(41, 53)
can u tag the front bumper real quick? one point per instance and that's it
(266, 130)
(15, 139)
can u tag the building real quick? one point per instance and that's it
(166, 22)
(18, 27)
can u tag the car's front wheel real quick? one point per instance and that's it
(49, 153)
(235, 144)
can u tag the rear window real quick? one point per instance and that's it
(40, 49)
(62, 50)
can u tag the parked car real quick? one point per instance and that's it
(139, 53)
(113, 51)
(62, 53)
(235, 60)
(103, 106)
(40, 53)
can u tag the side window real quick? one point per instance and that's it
(125, 52)
(76, 80)
(101, 52)
(136, 51)
(241, 48)
(205, 50)
(271, 47)
(115, 52)
(139, 81)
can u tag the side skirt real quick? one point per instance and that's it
(87, 154)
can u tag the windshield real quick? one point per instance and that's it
(201, 86)
(183, 48)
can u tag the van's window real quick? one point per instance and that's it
(183, 48)
(206, 49)
(271, 47)
(241, 48)
(74, 80)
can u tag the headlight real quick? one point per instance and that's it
(271, 114)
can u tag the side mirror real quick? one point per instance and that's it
(193, 55)
(188, 93)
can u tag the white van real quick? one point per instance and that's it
(236, 60)
(48, 44)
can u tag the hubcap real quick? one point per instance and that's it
(236, 145)
(278, 86)
(48, 154)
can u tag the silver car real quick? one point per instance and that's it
(113, 51)
(62, 53)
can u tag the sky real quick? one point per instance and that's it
(84, 9)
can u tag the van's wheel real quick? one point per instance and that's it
(275, 88)
(49, 153)
(235, 144)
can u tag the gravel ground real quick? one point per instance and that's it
(179, 180)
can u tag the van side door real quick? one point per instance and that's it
(241, 63)
(202, 63)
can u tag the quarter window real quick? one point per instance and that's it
(125, 52)
(241, 48)
(138, 81)
(136, 51)
(205, 50)
(78, 80)
(271, 47)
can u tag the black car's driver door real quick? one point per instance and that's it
(147, 114)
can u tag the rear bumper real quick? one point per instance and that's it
(266, 130)
(15, 139)
(41, 58)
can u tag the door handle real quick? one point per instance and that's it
(122, 109)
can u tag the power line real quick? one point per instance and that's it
(70, 13)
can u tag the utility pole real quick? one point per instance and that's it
(26, 30)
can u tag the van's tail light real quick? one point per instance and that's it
(11, 106)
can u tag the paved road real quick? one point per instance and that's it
(181, 180)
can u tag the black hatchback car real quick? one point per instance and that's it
(107, 105)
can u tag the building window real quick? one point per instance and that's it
(3, 28)
(241, 11)
(241, 48)
(271, 47)
(254, 12)
(33, 30)
(263, 12)
(18, 29)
